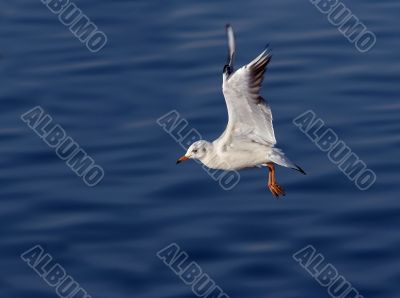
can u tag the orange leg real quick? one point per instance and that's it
(272, 185)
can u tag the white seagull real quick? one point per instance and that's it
(249, 139)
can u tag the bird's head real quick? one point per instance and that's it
(198, 150)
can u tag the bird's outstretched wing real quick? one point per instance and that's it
(250, 116)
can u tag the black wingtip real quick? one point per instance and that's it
(268, 47)
(300, 170)
(268, 51)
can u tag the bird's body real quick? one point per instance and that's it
(249, 138)
(235, 156)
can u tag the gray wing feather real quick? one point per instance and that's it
(231, 44)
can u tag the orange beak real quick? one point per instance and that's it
(182, 158)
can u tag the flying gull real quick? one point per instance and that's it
(249, 138)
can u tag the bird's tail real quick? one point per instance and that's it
(277, 156)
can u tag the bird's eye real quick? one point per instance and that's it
(195, 151)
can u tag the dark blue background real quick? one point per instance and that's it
(165, 55)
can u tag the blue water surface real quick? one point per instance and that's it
(169, 55)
